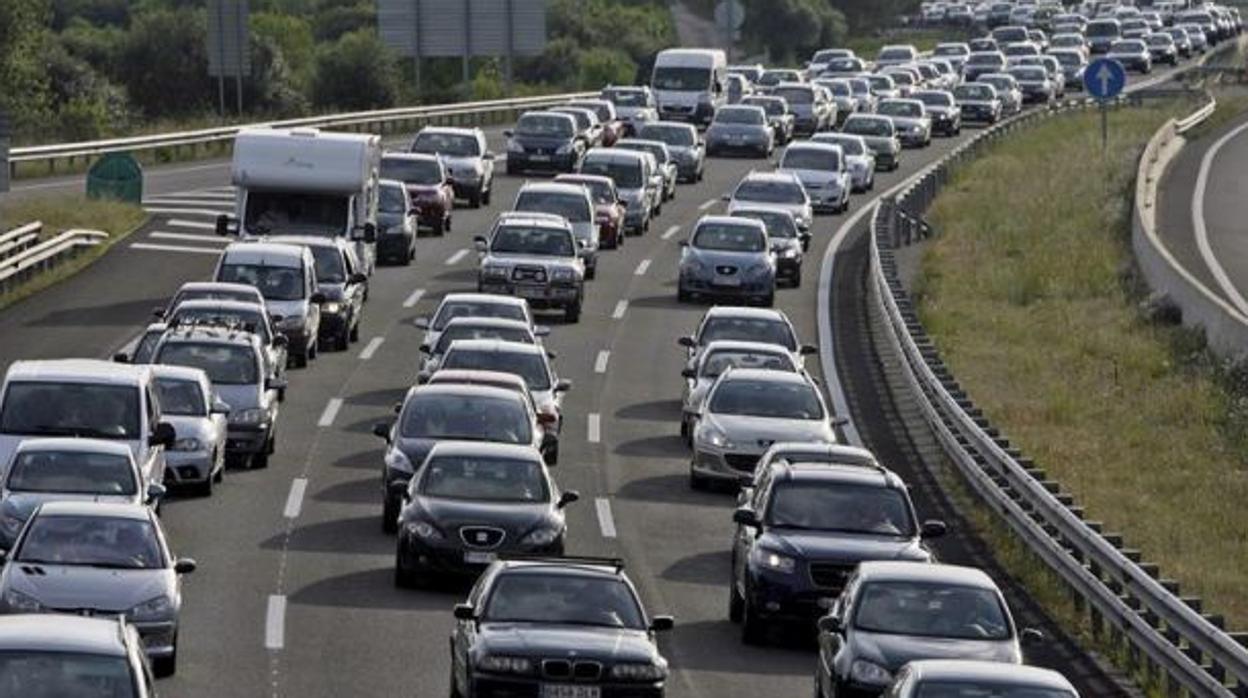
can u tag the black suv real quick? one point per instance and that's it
(802, 530)
(556, 626)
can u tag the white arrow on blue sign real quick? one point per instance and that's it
(1104, 78)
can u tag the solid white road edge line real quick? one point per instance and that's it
(294, 500)
(1198, 222)
(413, 299)
(642, 267)
(331, 411)
(600, 364)
(457, 257)
(371, 348)
(605, 521)
(275, 623)
(594, 434)
(620, 308)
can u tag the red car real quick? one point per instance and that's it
(612, 126)
(608, 211)
(431, 188)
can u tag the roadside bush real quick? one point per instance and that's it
(355, 72)
(605, 66)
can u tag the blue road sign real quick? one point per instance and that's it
(1104, 78)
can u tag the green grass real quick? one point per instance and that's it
(61, 213)
(1024, 294)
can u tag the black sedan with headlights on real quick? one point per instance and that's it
(556, 628)
(471, 501)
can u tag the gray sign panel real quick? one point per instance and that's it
(434, 28)
(228, 38)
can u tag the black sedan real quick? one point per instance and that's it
(560, 627)
(472, 501)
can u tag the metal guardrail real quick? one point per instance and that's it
(379, 121)
(1197, 117)
(34, 260)
(19, 239)
(1165, 633)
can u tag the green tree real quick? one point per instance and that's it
(84, 105)
(337, 19)
(557, 65)
(293, 36)
(605, 66)
(163, 64)
(23, 82)
(272, 87)
(788, 29)
(355, 72)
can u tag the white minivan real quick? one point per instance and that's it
(688, 83)
(286, 277)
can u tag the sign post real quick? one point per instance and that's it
(1104, 79)
(229, 49)
(4, 152)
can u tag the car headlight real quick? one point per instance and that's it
(863, 671)
(332, 307)
(774, 561)
(759, 269)
(787, 252)
(397, 460)
(514, 147)
(254, 415)
(494, 271)
(291, 322)
(188, 444)
(564, 149)
(501, 664)
(542, 536)
(564, 274)
(159, 608)
(17, 602)
(424, 529)
(714, 436)
(693, 267)
(638, 672)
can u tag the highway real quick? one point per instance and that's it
(294, 593)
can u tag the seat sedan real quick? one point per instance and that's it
(1034, 82)
(820, 167)
(880, 136)
(728, 322)
(431, 187)
(727, 257)
(667, 165)
(909, 116)
(455, 305)
(1162, 48)
(471, 502)
(740, 128)
(467, 158)
(92, 558)
(858, 158)
(745, 412)
(779, 118)
(967, 678)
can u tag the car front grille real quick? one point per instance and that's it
(537, 274)
(830, 575)
(725, 270)
(741, 461)
(567, 669)
(482, 536)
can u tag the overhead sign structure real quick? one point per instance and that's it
(729, 16)
(1104, 78)
(229, 46)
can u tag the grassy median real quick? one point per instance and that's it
(1029, 295)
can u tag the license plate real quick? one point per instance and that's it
(727, 281)
(530, 291)
(565, 690)
(539, 158)
(474, 557)
(738, 139)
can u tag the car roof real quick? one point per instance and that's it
(549, 114)
(771, 176)
(874, 475)
(813, 145)
(211, 334)
(248, 252)
(763, 208)
(894, 571)
(972, 670)
(485, 449)
(553, 187)
(482, 298)
(479, 321)
(568, 566)
(670, 124)
(420, 157)
(535, 219)
(614, 154)
(193, 303)
(218, 286)
(106, 510)
(76, 445)
(850, 453)
(495, 345)
(641, 141)
(312, 241)
(452, 130)
(77, 371)
(764, 375)
(742, 311)
(577, 178)
(175, 372)
(461, 389)
(738, 345)
(730, 220)
(465, 376)
(62, 633)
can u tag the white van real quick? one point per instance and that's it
(688, 83)
(306, 182)
(286, 277)
(85, 398)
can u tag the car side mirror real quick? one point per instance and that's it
(662, 624)
(687, 342)
(744, 480)
(725, 197)
(683, 243)
(359, 277)
(1031, 636)
(808, 349)
(480, 243)
(370, 232)
(568, 497)
(185, 565)
(4, 556)
(397, 407)
(121, 357)
(933, 529)
(508, 133)
(400, 490)
(274, 383)
(805, 238)
(158, 312)
(421, 323)
(488, 156)
(541, 331)
(223, 225)
(155, 492)
(745, 517)
(563, 386)
(220, 406)
(281, 340)
(426, 349)
(163, 435)
(382, 430)
(317, 298)
(465, 611)
(830, 624)
(690, 373)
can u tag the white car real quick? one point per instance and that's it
(821, 169)
(774, 189)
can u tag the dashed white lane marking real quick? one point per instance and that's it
(197, 225)
(620, 309)
(331, 411)
(605, 521)
(275, 623)
(371, 348)
(457, 257)
(294, 500)
(595, 428)
(209, 212)
(174, 248)
(600, 364)
(413, 299)
(707, 204)
(189, 237)
(642, 267)
(667, 234)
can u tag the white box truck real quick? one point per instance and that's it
(304, 181)
(688, 83)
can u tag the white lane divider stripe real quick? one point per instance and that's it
(642, 267)
(605, 521)
(371, 348)
(457, 257)
(174, 248)
(275, 623)
(707, 204)
(198, 225)
(413, 299)
(667, 234)
(189, 237)
(600, 364)
(620, 309)
(211, 213)
(595, 428)
(169, 201)
(331, 411)
(294, 500)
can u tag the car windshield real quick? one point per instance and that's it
(531, 366)
(841, 65)
(658, 151)
(946, 50)
(470, 331)
(811, 159)
(583, 120)
(744, 329)
(1129, 46)
(896, 53)
(1000, 83)
(250, 319)
(182, 398)
(907, 109)
(901, 78)
(72, 472)
(1102, 29)
(1029, 74)
(33, 408)
(848, 146)
(753, 117)
(827, 55)
(600, 191)
(330, 266)
(572, 599)
(557, 125)
(452, 144)
(146, 347)
(272, 212)
(838, 89)
(771, 399)
(773, 107)
(455, 308)
(868, 127)
(466, 418)
(390, 200)
(779, 224)
(602, 111)
(420, 171)
(1160, 40)
(985, 59)
(932, 610)
(544, 242)
(225, 364)
(770, 191)
(680, 79)
(484, 479)
(775, 77)
(671, 135)
(1068, 59)
(979, 689)
(274, 283)
(935, 99)
(573, 207)
(626, 175)
(973, 92)
(795, 95)
(627, 98)
(729, 238)
(96, 541)
(48, 674)
(825, 506)
(723, 359)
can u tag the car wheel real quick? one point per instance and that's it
(591, 272)
(488, 193)
(697, 482)
(736, 604)
(474, 199)
(404, 578)
(753, 631)
(439, 228)
(204, 489)
(259, 461)
(164, 667)
(573, 312)
(797, 278)
(683, 296)
(390, 515)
